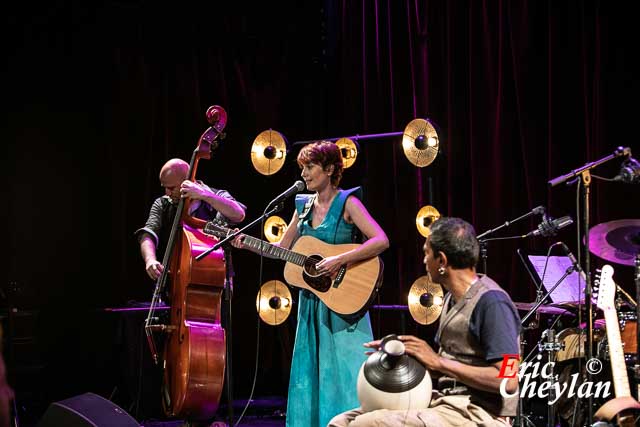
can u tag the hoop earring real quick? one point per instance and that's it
(441, 271)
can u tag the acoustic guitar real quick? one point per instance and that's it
(623, 402)
(351, 290)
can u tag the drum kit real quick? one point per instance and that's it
(616, 242)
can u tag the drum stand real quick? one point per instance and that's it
(522, 420)
(551, 346)
(636, 367)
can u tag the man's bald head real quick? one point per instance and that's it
(175, 167)
(171, 176)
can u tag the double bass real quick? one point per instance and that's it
(194, 355)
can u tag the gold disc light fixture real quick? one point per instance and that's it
(421, 142)
(273, 302)
(268, 152)
(425, 300)
(427, 215)
(274, 228)
(349, 151)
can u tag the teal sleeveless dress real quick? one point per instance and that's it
(328, 350)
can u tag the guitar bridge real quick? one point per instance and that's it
(340, 276)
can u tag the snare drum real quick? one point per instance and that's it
(628, 329)
(573, 343)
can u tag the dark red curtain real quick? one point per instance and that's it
(99, 96)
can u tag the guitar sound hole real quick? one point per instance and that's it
(311, 276)
(310, 265)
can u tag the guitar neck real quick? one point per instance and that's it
(267, 248)
(616, 354)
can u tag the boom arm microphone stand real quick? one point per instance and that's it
(483, 241)
(583, 174)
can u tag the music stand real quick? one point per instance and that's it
(548, 270)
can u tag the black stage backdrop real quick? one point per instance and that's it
(98, 97)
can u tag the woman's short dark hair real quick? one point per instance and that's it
(456, 238)
(325, 154)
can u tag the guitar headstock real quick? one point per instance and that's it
(217, 228)
(607, 289)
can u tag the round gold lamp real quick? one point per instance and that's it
(273, 302)
(349, 151)
(425, 300)
(268, 152)
(274, 228)
(427, 215)
(421, 142)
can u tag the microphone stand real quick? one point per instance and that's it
(583, 174)
(636, 367)
(483, 242)
(227, 294)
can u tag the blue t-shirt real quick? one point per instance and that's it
(494, 322)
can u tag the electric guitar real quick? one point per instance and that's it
(623, 401)
(350, 291)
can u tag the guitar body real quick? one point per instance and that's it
(350, 292)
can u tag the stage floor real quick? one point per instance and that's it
(251, 421)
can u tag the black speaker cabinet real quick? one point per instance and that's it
(86, 410)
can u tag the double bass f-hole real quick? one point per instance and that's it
(194, 340)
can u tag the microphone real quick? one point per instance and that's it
(629, 172)
(549, 227)
(540, 210)
(295, 188)
(572, 258)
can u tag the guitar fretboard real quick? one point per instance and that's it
(616, 354)
(275, 251)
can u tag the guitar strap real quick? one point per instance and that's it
(307, 207)
(356, 234)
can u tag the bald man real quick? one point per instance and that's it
(208, 204)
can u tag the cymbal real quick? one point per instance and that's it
(616, 241)
(273, 302)
(425, 300)
(544, 309)
(420, 142)
(274, 228)
(268, 152)
(427, 215)
(349, 151)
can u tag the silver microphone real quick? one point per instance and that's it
(549, 227)
(629, 172)
(295, 188)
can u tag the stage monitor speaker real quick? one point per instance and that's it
(86, 410)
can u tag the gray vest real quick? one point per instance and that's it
(457, 343)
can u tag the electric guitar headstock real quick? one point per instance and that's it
(606, 289)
